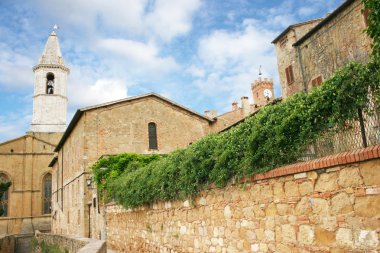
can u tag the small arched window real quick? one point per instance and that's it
(152, 132)
(46, 194)
(50, 83)
(4, 201)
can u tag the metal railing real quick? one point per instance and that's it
(355, 134)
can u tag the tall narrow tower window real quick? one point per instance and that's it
(47, 194)
(50, 83)
(152, 132)
(4, 201)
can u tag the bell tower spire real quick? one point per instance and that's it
(50, 89)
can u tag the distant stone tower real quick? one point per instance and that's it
(262, 91)
(50, 88)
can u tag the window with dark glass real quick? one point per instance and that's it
(4, 201)
(47, 194)
(152, 132)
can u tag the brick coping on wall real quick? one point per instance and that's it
(326, 162)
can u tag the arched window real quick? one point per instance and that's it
(50, 83)
(152, 132)
(4, 201)
(46, 194)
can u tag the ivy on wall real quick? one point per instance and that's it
(276, 135)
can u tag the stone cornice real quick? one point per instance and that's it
(56, 66)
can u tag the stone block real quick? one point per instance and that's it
(328, 223)
(349, 177)
(368, 206)
(344, 237)
(370, 173)
(366, 239)
(324, 237)
(306, 235)
(291, 189)
(303, 207)
(326, 182)
(283, 209)
(306, 188)
(288, 233)
(320, 206)
(341, 203)
(271, 210)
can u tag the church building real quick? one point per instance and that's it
(24, 161)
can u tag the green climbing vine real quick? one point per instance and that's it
(275, 136)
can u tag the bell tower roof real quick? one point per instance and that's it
(52, 51)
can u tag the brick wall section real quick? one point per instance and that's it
(327, 205)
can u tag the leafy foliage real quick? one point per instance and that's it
(274, 136)
(109, 168)
(373, 29)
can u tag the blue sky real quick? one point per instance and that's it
(203, 54)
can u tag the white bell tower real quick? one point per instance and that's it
(50, 88)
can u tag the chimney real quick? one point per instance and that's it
(211, 113)
(235, 106)
(245, 106)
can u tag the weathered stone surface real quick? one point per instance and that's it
(370, 173)
(349, 177)
(311, 223)
(344, 237)
(366, 239)
(328, 223)
(288, 233)
(306, 235)
(291, 189)
(324, 237)
(320, 206)
(368, 206)
(306, 188)
(303, 206)
(341, 203)
(326, 182)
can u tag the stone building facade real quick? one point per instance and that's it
(146, 124)
(24, 161)
(309, 53)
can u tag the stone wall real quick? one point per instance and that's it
(7, 244)
(335, 44)
(327, 205)
(72, 244)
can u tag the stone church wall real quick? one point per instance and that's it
(328, 205)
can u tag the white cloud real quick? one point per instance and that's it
(172, 18)
(15, 69)
(164, 19)
(231, 60)
(138, 54)
(12, 125)
(103, 90)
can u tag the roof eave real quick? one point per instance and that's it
(335, 13)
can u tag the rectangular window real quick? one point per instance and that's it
(289, 74)
(316, 81)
